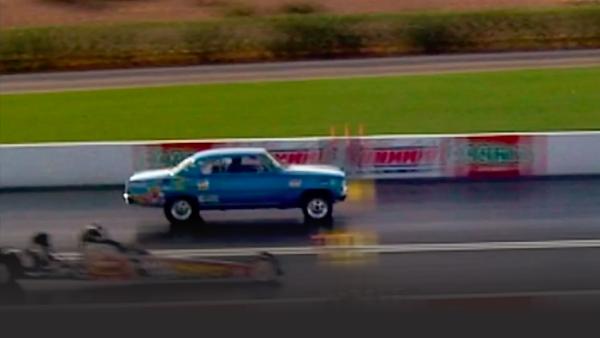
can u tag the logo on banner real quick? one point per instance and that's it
(404, 159)
(502, 156)
(301, 156)
(170, 154)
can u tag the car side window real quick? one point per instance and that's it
(267, 163)
(215, 166)
(246, 164)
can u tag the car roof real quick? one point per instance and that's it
(230, 151)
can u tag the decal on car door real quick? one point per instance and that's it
(203, 185)
(208, 199)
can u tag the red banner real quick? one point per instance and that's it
(300, 156)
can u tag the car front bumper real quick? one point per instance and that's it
(143, 200)
(341, 197)
(127, 198)
(343, 193)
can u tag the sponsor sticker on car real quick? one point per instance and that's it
(211, 270)
(208, 198)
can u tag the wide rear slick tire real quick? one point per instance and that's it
(8, 274)
(182, 211)
(317, 209)
(11, 271)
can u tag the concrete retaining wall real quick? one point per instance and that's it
(508, 155)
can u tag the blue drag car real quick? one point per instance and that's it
(237, 178)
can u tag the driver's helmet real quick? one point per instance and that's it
(94, 233)
(42, 239)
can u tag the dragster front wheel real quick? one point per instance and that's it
(266, 269)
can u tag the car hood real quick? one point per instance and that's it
(315, 169)
(151, 175)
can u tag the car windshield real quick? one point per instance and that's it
(188, 162)
(274, 161)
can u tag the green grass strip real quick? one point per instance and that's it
(528, 100)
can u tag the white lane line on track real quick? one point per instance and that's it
(375, 249)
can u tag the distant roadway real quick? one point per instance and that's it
(405, 65)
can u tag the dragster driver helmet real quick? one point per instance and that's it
(42, 239)
(94, 233)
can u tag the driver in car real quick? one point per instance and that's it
(41, 253)
(103, 257)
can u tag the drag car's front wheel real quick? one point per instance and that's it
(317, 209)
(265, 269)
(182, 210)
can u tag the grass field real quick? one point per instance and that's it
(293, 37)
(532, 100)
(61, 12)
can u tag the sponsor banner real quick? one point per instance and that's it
(496, 156)
(287, 152)
(295, 152)
(386, 157)
(165, 155)
(396, 157)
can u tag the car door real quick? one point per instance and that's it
(195, 180)
(244, 181)
(211, 187)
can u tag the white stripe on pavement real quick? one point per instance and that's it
(373, 249)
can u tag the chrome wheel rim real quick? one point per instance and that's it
(181, 210)
(317, 208)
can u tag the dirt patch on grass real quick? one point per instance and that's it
(16, 13)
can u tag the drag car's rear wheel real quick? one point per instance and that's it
(182, 210)
(6, 275)
(317, 209)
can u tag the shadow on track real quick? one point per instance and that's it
(11, 294)
(278, 232)
(156, 292)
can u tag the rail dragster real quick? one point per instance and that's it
(101, 258)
